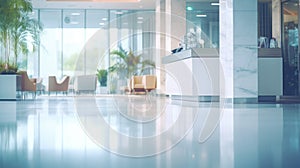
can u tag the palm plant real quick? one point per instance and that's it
(102, 76)
(17, 29)
(129, 64)
(26, 32)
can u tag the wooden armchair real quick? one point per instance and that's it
(54, 86)
(27, 85)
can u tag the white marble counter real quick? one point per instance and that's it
(193, 74)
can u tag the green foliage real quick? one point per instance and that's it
(102, 76)
(2, 66)
(17, 30)
(70, 62)
(6, 68)
(128, 64)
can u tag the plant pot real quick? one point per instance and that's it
(103, 90)
(8, 72)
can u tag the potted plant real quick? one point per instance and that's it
(18, 32)
(6, 68)
(128, 64)
(102, 77)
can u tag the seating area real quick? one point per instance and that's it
(80, 84)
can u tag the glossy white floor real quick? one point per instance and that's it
(138, 131)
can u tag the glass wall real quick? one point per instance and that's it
(51, 44)
(132, 31)
(97, 40)
(291, 66)
(73, 40)
(77, 42)
(203, 21)
(270, 18)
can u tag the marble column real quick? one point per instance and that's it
(276, 20)
(170, 29)
(238, 50)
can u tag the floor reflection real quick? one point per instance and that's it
(48, 133)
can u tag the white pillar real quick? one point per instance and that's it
(238, 49)
(276, 20)
(170, 29)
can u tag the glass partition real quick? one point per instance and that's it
(203, 21)
(97, 34)
(79, 41)
(73, 37)
(51, 44)
(131, 31)
(290, 33)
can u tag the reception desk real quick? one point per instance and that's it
(193, 74)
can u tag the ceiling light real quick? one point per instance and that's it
(75, 14)
(102, 1)
(215, 4)
(189, 8)
(101, 24)
(74, 22)
(201, 15)
(118, 13)
(140, 18)
(104, 19)
(140, 22)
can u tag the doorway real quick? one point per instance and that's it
(290, 49)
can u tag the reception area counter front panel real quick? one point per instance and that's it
(193, 74)
(270, 72)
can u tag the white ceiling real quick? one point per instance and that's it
(91, 4)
